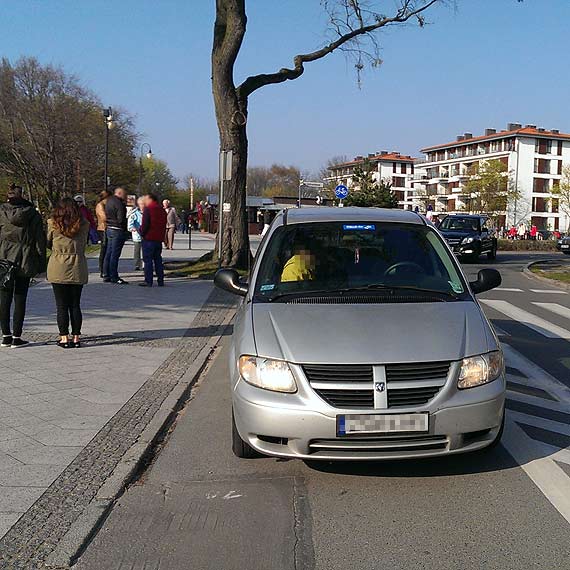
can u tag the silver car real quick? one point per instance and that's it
(358, 337)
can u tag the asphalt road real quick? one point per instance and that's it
(199, 507)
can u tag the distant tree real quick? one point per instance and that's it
(277, 180)
(562, 192)
(352, 25)
(491, 187)
(52, 133)
(157, 177)
(367, 192)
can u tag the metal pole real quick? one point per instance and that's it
(140, 173)
(106, 154)
(300, 186)
(221, 206)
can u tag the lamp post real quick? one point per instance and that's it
(108, 114)
(141, 170)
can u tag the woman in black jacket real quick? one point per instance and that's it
(22, 242)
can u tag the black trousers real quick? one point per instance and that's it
(17, 293)
(102, 251)
(68, 301)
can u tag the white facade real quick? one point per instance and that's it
(534, 158)
(392, 167)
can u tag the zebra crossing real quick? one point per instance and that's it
(537, 431)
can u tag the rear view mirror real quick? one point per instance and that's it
(228, 280)
(487, 279)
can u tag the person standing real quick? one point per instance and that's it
(172, 222)
(101, 229)
(67, 270)
(116, 216)
(183, 222)
(23, 246)
(134, 223)
(152, 230)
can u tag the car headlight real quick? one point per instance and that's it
(479, 370)
(268, 374)
(468, 240)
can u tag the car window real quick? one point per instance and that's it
(327, 256)
(484, 225)
(460, 224)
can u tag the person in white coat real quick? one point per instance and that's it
(134, 223)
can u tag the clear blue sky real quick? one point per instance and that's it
(488, 63)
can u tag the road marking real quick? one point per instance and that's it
(548, 291)
(534, 322)
(555, 308)
(509, 289)
(535, 460)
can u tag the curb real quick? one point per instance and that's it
(527, 271)
(79, 536)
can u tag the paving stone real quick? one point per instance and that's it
(18, 499)
(7, 520)
(28, 475)
(39, 454)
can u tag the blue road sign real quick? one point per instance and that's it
(341, 191)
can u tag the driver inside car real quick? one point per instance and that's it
(301, 265)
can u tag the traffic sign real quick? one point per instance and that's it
(341, 191)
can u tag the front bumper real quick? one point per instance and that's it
(304, 426)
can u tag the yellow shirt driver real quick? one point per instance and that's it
(300, 267)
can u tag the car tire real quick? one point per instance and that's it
(493, 253)
(241, 448)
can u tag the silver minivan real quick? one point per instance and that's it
(359, 337)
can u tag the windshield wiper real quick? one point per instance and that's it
(371, 287)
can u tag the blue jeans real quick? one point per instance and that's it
(152, 257)
(115, 243)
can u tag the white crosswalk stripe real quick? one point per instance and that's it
(555, 308)
(509, 289)
(531, 320)
(549, 291)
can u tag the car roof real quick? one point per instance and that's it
(352, 214)
(466, 216)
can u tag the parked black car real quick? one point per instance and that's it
(469, 235)
(563, 245)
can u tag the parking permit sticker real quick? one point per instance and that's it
(268, 287)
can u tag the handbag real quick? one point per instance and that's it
(7, 273)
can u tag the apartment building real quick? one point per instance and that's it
(391, 167)
(534, 158)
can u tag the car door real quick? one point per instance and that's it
(486, 235)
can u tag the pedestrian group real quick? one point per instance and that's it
(24, 241)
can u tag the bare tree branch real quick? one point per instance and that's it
(407, 11)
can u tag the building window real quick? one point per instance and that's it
(393, 167)
(543, 146)
(559, 148)
(541, 185)
(559, 167)
(541, 166)
(404, 165)
(539, 205)
(398, 181)
(555, 205)
(411, 168)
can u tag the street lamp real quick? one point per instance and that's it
(141, 170)
(108, 114)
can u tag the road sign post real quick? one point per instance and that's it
(226, 163)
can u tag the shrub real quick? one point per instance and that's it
(527, 245)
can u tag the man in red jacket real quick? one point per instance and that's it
(152, 231)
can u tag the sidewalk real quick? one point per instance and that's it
(54, 403)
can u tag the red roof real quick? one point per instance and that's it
(503, 134)
(389, 157)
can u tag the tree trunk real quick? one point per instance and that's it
(231, 116)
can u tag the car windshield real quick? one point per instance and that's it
(328, 257)
(460, 224)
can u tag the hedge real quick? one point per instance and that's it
(527, 245)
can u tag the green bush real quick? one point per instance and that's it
(527, 245)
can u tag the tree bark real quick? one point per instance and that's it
(231, 116)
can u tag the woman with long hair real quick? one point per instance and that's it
(102, 227)
(67, 269)
(23, 253)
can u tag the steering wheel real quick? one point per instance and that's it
(410, 265)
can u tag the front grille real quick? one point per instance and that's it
(364, 299)
(338, 372)
(370, 446)
(416, 371)
(411, 396)
(351, 386)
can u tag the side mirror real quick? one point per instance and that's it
(487, 279)
(228, 280)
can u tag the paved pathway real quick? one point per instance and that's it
(53, 402)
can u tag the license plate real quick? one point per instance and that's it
(564, 246)
(381, 423)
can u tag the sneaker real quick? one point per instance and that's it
(18, 342)
(160, 283)
(120, 282)
(6, 341)
(145, 284)
(106, 280)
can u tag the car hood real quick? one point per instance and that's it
(458, 234)
(370, 333)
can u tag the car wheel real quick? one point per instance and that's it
(241, 448)
(493, 253)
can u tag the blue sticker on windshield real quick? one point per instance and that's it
(359, 227)
(267, 288)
